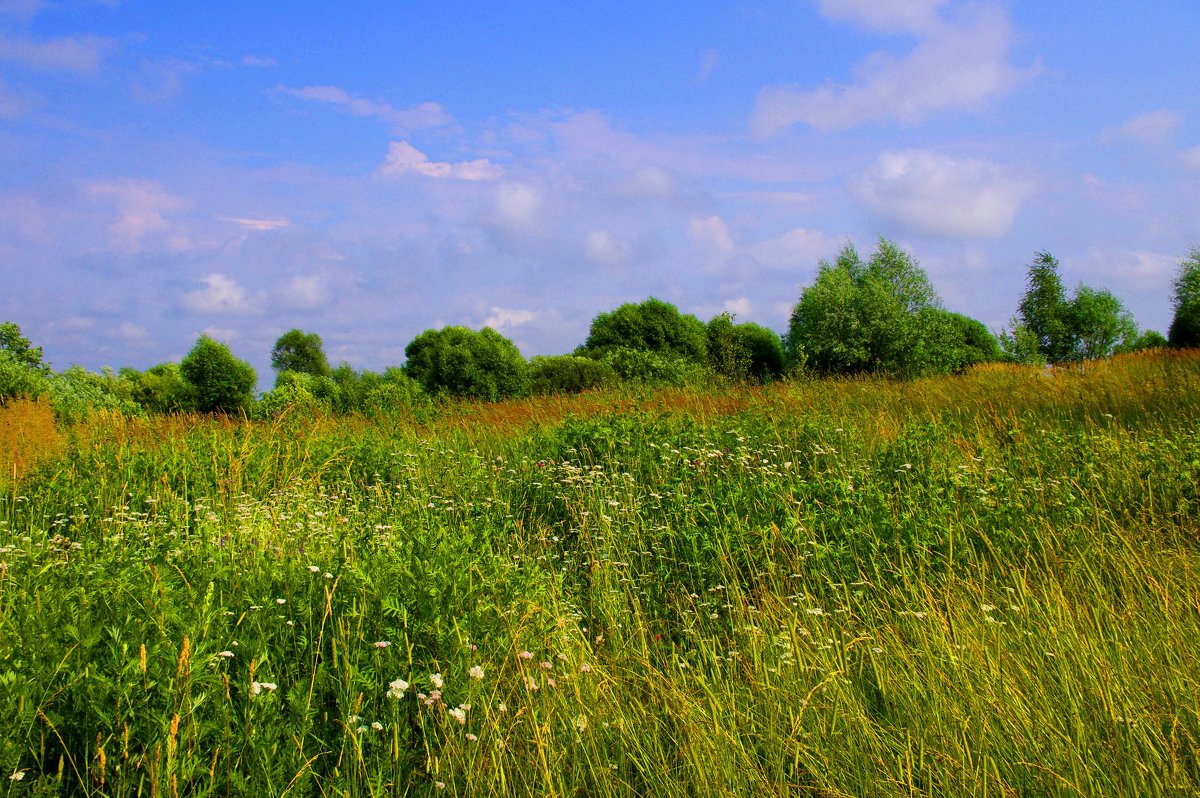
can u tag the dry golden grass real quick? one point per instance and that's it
(28, 435)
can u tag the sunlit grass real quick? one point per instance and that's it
(981, 585)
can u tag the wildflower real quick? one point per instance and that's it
(815, 611)
(550, 682)
(548, 665)
(281, 601)
(441, 785)
(316, 569)
(328, 575)
(585, 668)
(502, 707)
(459, 715)
(436, 679)
(472, 738)
(396, 688)
(256, 688)
(377, 726)
(381, 643)
(17, 776)
(526, 655)
(225, 654)
(476, 673)
(531, 683)
(987, 607)
(581, 722)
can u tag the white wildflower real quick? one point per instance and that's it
(436, 679)
(476, 673)
(396, 688)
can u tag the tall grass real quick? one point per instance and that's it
(980, 585)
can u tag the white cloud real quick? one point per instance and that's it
(226, 335)
(1191, 158)
(740, 307)
(649, 181)
(798, 247)
(131, 333)
(600, 246)
(258, 225)
(957, 64)
(518, 208)
(424, 116)
(501, 319)
(306, 292)
(884, 16)
(78, 54)
(221, 295)
(143, 208)
(711, 234)
(259, 61)
(1130, 270)
(941, 196)
(1149, 127)
(403, 158)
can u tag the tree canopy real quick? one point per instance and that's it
(301, 352)
(652, 326)
(1185, 324)
(457, 361)
(218, 381)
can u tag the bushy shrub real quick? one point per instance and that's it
(158, 389)
(1185, 324)
(19, 380)
(77, 393)
(653, 326)
(456, 361)
(569, 374)
(650, 368)
(218, 381)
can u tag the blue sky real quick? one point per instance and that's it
(370, 170)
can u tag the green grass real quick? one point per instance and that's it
(968, 586)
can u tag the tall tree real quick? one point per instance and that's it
(1185, 326)
(652, 326)
(218, 381)
(1044, 309)
(457, 361)
(1098, 324)
(299, 351)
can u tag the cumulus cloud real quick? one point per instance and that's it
(1130, 270)
(798, 247)
(740, 307)
(958, 63)
(306, 292)
(711, 234)
(1149, 127)
(518, 208)
(78, 54)
(403, 159)
(221, 295)
(501, 319)
(131, 333)
(648, 181)
(143, 208)
(942, 196)
(600, 246)
(424, 116)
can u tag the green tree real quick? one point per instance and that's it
(653, 326)
(1185, 324)
(569, 374)
(19, 348)
(1097, 324)
(743, 352)
(866, 316)
(217, 381)
(301, 352)
(1044, 310)
(456, 361)
(158, 389)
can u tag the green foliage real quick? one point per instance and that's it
(1092, 324)
(218, 382)
(77, 393)
(1185, 324)
(1044, 309)
(743, 352)
(653, 326)
(300, 352)
(653, 369)
(19, 379)
(158, 389)
(19, 348)
(866, 317)
(456, 361)
(569, 374)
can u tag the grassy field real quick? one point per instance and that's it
(983, 585)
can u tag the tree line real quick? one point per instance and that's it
(875, 316)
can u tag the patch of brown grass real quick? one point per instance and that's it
(28, 436)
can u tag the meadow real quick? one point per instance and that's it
(977, 585)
